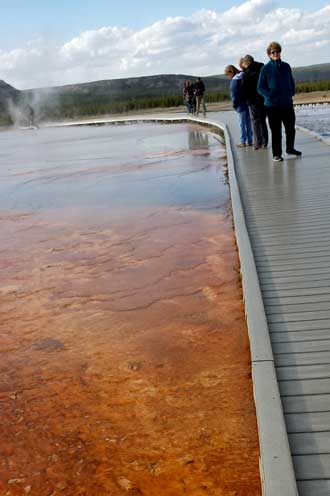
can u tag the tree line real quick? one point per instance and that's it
(73, 106)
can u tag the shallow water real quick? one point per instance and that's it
(315, 118)
(85, 167)
(125, 364)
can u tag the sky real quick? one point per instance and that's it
(51, 43)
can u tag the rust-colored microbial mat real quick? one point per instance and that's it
(125, 363)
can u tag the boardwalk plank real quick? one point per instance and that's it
(299, 326)
(306, 387)
(298, 347)
(282, 301)
(303, 307)
(308, 422)
(299, 317)
(314, 488)
(309, 335)
(299, 372)
(295, 293)
(309, 467)
(310, 358)
(306, 403)
(310, 443)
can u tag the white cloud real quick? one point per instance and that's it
(201, 44)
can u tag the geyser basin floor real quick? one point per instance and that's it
(125, 365)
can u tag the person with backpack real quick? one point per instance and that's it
(199, 90)
(255, 101)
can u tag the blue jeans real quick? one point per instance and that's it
(189, 106)
(245, 127)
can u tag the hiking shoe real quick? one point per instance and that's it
(240, 144)
(277, 159)
(294, 152)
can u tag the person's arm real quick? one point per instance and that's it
(234, 93)
(263, 88)
(245, 87)
(293, 86)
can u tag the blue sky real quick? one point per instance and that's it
(23, 20)
(56, 42)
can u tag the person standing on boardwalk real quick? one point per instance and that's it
(199, 89)
(255, 101)
(276, 85)
(188, 95)
(240, 104)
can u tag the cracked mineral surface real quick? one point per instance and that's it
(125, 363)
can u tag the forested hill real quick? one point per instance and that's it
(121, 95)
(138, 87)
(7, 92)
(168, 84)
(151, 86)
(311, 73)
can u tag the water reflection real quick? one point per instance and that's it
(79, 167)
(198, 139)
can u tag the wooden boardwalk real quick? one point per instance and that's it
(287, 211)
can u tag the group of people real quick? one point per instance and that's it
(261, 91)
(193, 96)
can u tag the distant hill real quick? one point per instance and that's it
(7, 92)
(311, 73)
(101, 96)
(137, 87)
(164, 85)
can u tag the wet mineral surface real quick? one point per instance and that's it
(125, 363)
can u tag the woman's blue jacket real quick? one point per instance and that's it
(276, 84)
(239, 103)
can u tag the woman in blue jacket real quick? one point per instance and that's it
(240, 104)
(277, 86)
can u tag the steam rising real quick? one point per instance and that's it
(16, 113)
(34, 106)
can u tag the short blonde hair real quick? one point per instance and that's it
(273, 46)
(247, 60)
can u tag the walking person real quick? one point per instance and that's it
(193, 101)
(276, 85)
(188, 95)
(240, 105)
(255, 101)
(199, 90)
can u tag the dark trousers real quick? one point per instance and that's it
(277, 115)
(260, 130)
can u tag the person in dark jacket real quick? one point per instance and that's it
(276, 85)
(254, 100)
(188, 94)
(240, 104)
(199, 90)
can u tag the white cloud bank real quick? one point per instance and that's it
(200, 45)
